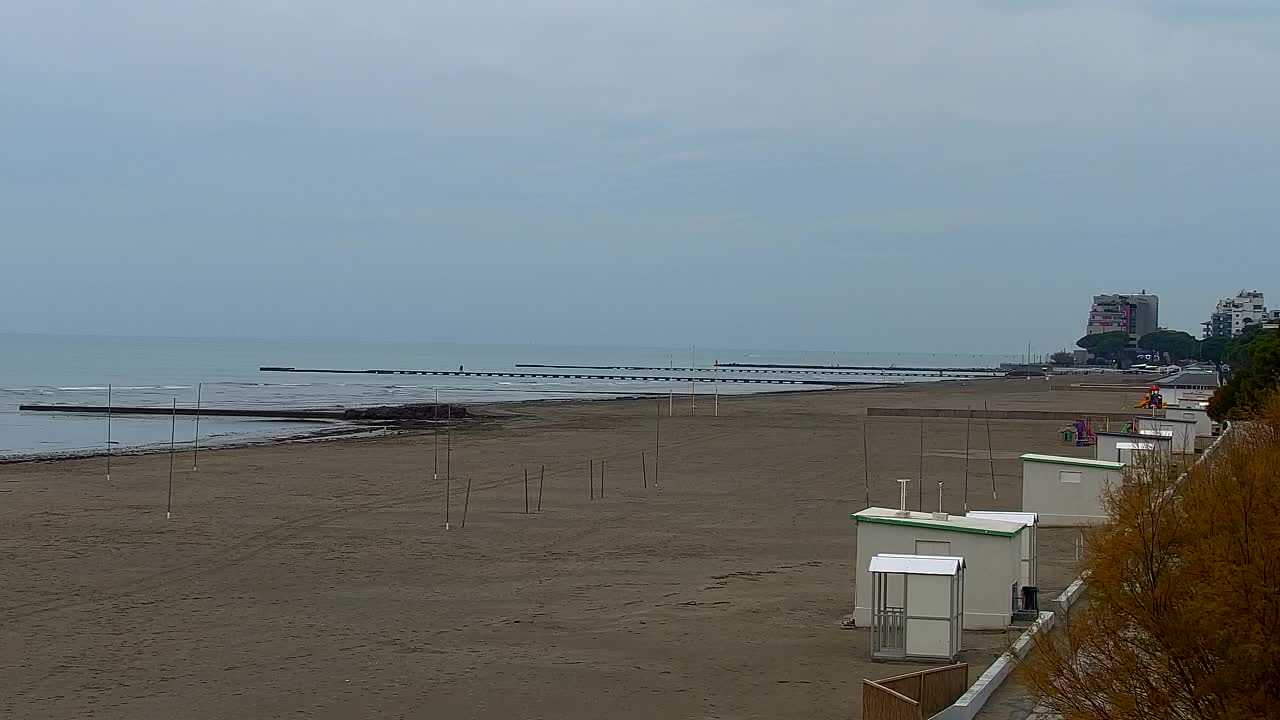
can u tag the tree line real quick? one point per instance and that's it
(1176, 345)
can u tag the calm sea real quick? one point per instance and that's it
(156, 371)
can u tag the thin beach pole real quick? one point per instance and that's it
(108, 432)
(173, 434)
(448, 462)
(195, 447)
(526, 491)
(920, 490)
(601, 477)
(693, 394)
(991, 455)
(671, 397)
(644, 470)
(657, 443)
(591, 478)
(466, 504)
(542, 478)
(968, 417)
(435, 439)
(866, 466)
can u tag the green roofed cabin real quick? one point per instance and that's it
(992, 552)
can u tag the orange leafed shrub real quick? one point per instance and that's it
(1182, 615)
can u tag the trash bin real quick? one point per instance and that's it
(1030, 598)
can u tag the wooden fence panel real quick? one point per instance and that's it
(914, 696)
(941, 687)
(881, 703)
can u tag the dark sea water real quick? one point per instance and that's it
(155, 371)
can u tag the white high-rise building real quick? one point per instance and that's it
(1233, 314)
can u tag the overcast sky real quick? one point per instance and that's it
(896, 176)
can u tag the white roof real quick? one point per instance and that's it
(957, 523)
(916, 564)
(1026, 518)
(1065, 460)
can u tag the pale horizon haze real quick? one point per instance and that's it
(862, 176)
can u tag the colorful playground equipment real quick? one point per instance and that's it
(1153, 400)
(1080, 432)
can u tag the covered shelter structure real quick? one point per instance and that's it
(1181, 432)
(1067, 491)
(992, 550)
(1030, 545)
(917, 606)
(1187, 385)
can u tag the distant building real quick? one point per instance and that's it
(1136, 315)
(1188, 386)
(1233, 314)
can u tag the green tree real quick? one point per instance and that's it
(1178, 345)
(1237, 354)
(1107, 345)
(1255, 375)
(1062, 358)
(1214, 350)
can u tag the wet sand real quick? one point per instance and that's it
(317, 580)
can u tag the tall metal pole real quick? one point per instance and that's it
(173, 434)
(195, 447)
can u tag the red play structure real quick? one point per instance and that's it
(1153, 400)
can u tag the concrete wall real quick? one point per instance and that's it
(1045, 490)
(993, 414)
(993, 565)
(1182, 433)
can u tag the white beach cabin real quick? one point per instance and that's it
(1030, 545)
(1181, 432)
(1128, 447)
(1197, 414)
(992, 550)
(917, 607)
(1067, 491)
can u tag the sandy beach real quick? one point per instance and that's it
(317, 580)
